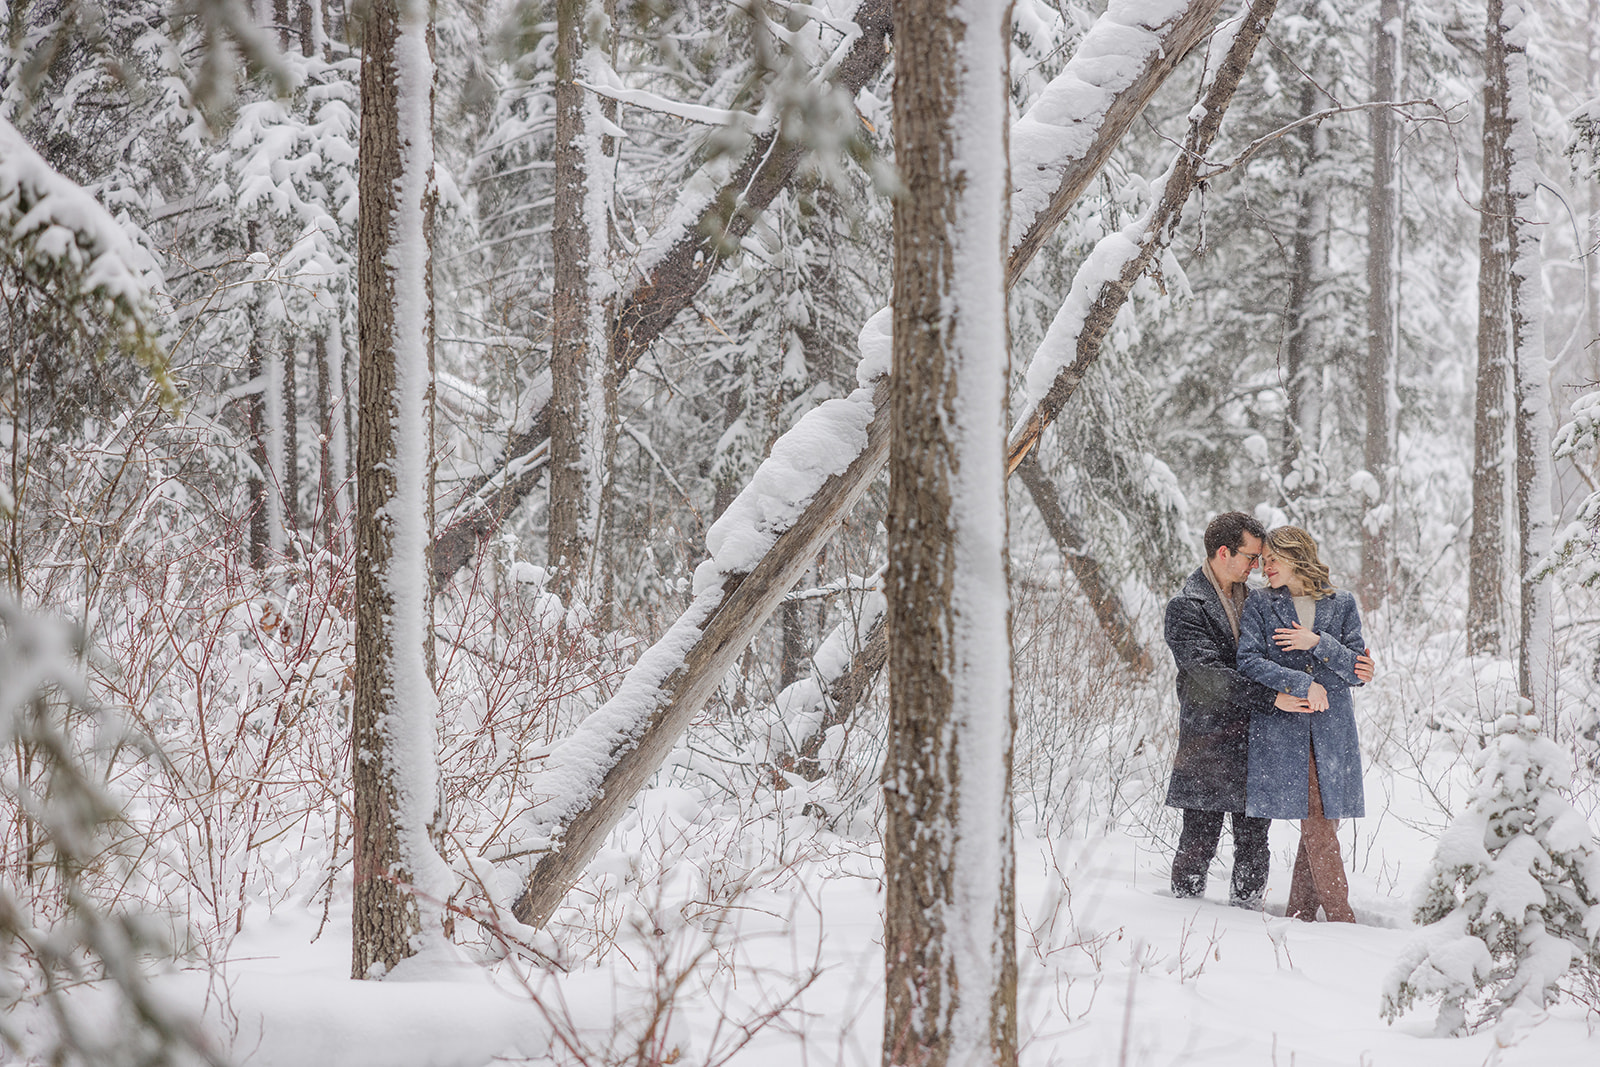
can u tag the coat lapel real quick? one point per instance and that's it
(1200, 587)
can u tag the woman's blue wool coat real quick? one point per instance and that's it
(1281, 742)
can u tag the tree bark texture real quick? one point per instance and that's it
(1383, 306)
(582, 378)
(949, 908)
(746, 601)
(290, 489)
(397, 877)
(1486, 547)
(255, 418)
(768, 167)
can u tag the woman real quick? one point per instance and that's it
(1302, 637)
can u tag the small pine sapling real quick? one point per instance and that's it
(1512, 901)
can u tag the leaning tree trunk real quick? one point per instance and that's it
(1532, 373)
(593, 777)
(949, 912)
(401, 884)
(1383, 307)
(1073, 546)
(1486, 551)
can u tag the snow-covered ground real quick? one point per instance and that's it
(1113, 969)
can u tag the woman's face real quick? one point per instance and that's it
(1280, 572)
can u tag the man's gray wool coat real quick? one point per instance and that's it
(1214, 702)
(1281, 741)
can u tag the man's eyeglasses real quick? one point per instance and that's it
(1253, 557)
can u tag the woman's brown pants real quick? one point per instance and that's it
(1318, 870)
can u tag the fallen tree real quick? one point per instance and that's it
(820, 468)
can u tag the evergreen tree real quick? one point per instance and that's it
(1512, 900)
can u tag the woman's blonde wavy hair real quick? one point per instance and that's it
(1298, 549)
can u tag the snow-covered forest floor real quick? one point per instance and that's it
(726, 922)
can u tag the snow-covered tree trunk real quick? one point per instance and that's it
(1531, 371)
(1303, 356)
(1383, 307)
(582, 375)
(1486, 571)
(949, 910)
(401, 884)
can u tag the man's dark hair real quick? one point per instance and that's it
(1229, 529)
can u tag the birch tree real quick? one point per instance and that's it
(949, 911)
(400, 881)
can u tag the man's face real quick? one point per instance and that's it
(1235, 565)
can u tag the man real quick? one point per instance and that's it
(1214, 705)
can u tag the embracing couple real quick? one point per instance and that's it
(1265, 725)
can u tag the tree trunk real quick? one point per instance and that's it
(1302, 430)
(1098, 589)
(1531, 369)
(327, 484)
(796, 640)
(289, 490)
(401, 884)
(1486, 571)
(582, 381)
(949, 909)
(661, 694)
(1383, 307)
(257, 485)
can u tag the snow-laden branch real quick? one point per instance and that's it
(61, 238)
(1102, 283)
(1126, 53)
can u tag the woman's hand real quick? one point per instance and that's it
(1318, 697)
(1296, 636)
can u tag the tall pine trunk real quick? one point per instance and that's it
(1383, 306)
(1486, 548)
(401, 884)
(949, 913)
(582, 379)
(1531, 369)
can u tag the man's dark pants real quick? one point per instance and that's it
(1198, 844)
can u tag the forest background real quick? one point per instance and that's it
(610, 365)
